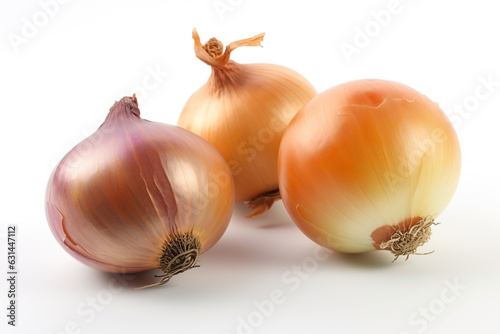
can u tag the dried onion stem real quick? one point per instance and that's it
(262, 203)
(214, 47)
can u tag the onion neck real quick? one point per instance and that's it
(224, 71)
(126, 107)
(213, 52)
(228, 78)
(404, 238)
(179, 254)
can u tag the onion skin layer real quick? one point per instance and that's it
(364, 156)
(119, 196)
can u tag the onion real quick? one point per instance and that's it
(243, 110)
(368, 165)
(139, 195)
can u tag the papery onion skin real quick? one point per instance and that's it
(243, 110)
(365, 159)
(117, 198)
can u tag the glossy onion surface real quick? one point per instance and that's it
(243, 110)
(364, 159)
(119, 196)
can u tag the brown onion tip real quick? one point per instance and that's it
(405, 243)
(262, 203)
(180, 253)
(127, 106)
(214, 47)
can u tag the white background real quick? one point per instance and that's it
(59, 79)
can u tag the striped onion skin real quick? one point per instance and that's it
(122, 196)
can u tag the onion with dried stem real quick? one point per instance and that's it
(243, 110)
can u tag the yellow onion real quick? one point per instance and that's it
(139, 195)
(368, 165)
(243, 110)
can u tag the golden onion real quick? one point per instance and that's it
(368, 165)
(243, 110)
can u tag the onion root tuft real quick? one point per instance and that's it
(180, 253)
(406, 243)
